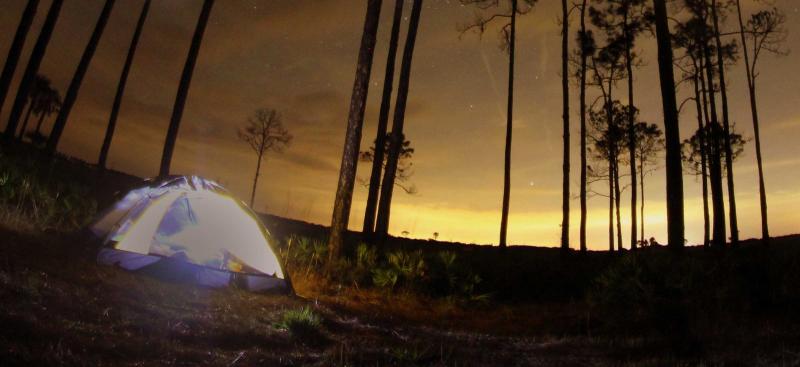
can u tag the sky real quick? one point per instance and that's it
(299, 57)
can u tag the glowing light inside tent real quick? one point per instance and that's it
(197, 222)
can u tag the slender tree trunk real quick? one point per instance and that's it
(26, 119)
(509, 125)
(77, 79)
(641, 192)
(751, 86)
(617, 196)
(708, 153)
(610, 209)
(39, 123)
(397, 137)
(15, 51)
(715, 164)
(674, 184)
(565, 116)
(583, 132)
(183, 89)
(383, 121)
(32, 69)
(726, 130)
(631, 131)
(123, 79)
(355, 121)
(701, 134)
(255, 179)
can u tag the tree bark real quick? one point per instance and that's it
(15, 51)
(674, 181)
(396, 138)
(583, 131)
(631, 123)
(26, 119)
(32, 68)
(183, 89)
(701, 134)
(355, 121)
(565, 116)
(726, 130)
(255, 179)
(751, 86)
(509, 129)
(617, 196)
(123, 79)
(77, 79)
(715, 164)
(383, 121)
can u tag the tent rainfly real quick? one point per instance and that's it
(190, 229)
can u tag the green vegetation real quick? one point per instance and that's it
(35, 195)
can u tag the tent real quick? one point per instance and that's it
(190, 229)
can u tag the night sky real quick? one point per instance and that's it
(299, 57)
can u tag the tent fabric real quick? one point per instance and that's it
(187, 228)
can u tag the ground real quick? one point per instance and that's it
(60, 308)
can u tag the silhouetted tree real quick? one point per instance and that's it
(649, 143)
(39, 90)
(404, 165)
(586, 50)
(48, 103)
(607, 71)
(725, 125)
(608, 140)
(77, 79)
(624, 20)
(765, 33)
(32, 68)
(15, 51)
(381, 142)
(396, 138)
(508, 36)
(264, 132)
(112, 120)
(675, 224)
(693, 146)
(355, 122)
(183, 88)
(565, 117)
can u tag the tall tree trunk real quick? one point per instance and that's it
(32, 69)
(631, 131)
(617, 196)
(583, 131)
(355, 122)
(565, 116)
(708, 153)
(509, 128)
(38, 130)
(77, 79)
(701, 134)
(15, 51)
(397, 137)
(610, 209)
(26, 119)
(715, 163)
(641, 193)
(255, 179)
(383, 121)
(674, 182)
(751, 86)
(123, 79)
(726, 129)
(183, 89)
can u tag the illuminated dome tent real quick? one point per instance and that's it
(190, 229)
